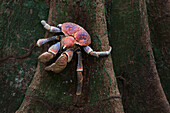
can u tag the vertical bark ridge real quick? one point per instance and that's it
(133, 58)
(156, 99)
(100, 28)
(35, 84)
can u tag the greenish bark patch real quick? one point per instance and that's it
(19, 27)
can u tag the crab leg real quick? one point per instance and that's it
(52, 51)
(50, 28)
(79, 73)
(90, 51)
(61, 62)
(43, 41)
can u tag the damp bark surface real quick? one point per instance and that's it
(50, 92)
(133, 57)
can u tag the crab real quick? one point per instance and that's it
(72, 38)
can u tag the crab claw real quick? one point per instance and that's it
(45, 57)
(61, 62)
(59, 65)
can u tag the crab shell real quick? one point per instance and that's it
(81, 36)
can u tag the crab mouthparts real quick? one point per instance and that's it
(64, 47)
(68, 42)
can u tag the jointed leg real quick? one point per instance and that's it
(79, 73)
(61, 62)
(90, 51)
(52, 51)
(43, 41)
(50, 28)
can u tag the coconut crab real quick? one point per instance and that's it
(71, 37)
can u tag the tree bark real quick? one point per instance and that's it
(134, 59)
(158, 13)
(19, 29)
(156, 99)
(49, 92)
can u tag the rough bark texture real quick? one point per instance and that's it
(19, 29)
(155, 96)
(49, 92)
(35, 83)
(134, 59)
(133, 33)
(159, 22)
(100, 28)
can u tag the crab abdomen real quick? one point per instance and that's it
(81, 36)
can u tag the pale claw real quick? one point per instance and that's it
(59, 65)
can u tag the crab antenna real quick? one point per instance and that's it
(59, 26)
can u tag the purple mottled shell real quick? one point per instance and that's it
(81, 35)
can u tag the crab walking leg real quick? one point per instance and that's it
(61, 62)
(52, 51)
(79, 73)
(50, 28)
(90, 51)
(43, 41)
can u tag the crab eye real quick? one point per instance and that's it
(59, 26)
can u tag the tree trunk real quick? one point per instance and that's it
(158, 11)
(156, 99)
(133, 58)
(49, 92)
